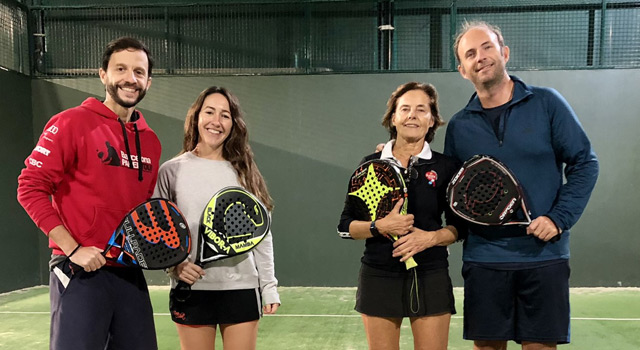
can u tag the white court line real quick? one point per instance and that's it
(329, 316)
(455, 317)
(604, 319)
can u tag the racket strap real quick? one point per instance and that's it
(414, 287)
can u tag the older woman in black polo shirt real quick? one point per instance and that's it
(387, 291)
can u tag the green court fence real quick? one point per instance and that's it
(313, 37)
(14, 45)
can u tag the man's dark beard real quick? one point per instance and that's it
(112, 90)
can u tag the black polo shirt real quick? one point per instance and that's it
(427, 202)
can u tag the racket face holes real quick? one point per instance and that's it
(485, 192)
(160, 232)
(234, 220)
(378, 185)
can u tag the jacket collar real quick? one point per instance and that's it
(424, 155)
(520, 92)
(99, 108)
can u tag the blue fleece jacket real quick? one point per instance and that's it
(538, 137)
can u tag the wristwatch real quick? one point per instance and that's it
(374, 230)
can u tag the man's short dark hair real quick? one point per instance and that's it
(125, 43)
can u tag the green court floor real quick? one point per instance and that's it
(323, 318)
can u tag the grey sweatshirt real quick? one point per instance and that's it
(190, 182)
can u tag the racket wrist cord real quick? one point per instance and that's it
(74, 250)
(414, 287)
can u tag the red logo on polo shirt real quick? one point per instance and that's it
(431, 176)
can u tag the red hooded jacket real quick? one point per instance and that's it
(85, 175)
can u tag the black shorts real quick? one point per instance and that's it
(410, 293)
(213, 307)
(521, 305)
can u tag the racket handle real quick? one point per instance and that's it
(409, 263)
(77, 268)
(182, 291)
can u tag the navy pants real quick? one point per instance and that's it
(521, 305)
(105, 309)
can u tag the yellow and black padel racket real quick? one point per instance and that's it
(374, 189)
(233, 222)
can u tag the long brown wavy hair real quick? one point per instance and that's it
(235, 149)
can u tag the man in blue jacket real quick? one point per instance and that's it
(516, 280)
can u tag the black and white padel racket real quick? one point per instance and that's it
(485, 192)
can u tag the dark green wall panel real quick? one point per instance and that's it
(308, 196)
(19, 253)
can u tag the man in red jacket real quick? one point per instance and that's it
(92, 164)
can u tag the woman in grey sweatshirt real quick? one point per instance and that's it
(234, 292)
